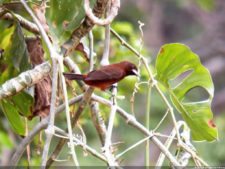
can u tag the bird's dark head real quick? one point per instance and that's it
(130, 68)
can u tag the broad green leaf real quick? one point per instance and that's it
(174, 60)
(16, 51)
(15, 60)
(12, 114)
(23, 102)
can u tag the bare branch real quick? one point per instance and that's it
(105, 57)
(107, 149)
(98, 121)
(91, 49)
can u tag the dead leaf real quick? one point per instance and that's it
(84, 50)
(43, 89)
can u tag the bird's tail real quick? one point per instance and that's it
(73, 76)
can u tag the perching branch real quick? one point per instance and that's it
(24, 80)
(128, 117)
(107, 149)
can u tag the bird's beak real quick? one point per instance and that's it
(135, 72)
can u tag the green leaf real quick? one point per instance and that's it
(23, 102)
(16, 52)
(172, 62)
(12, 114)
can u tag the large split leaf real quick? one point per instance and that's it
(174, 60)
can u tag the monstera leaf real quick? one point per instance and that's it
(173, 61)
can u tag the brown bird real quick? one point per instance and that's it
(104, 77)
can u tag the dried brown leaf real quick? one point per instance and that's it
(84, 50)
(42, 94)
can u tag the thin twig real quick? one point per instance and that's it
(82, 144)
(132, 147)
(67, 109)
(105, 56)
(148, 105)
(28, 146)
(168, 143)
(50, 130)
(107, 149)
(160, 122)
(91, 49)
(98, 121)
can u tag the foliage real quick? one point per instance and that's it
(174, 60)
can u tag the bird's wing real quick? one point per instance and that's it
(109, 74)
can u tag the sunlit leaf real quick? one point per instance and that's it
(172, 61)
